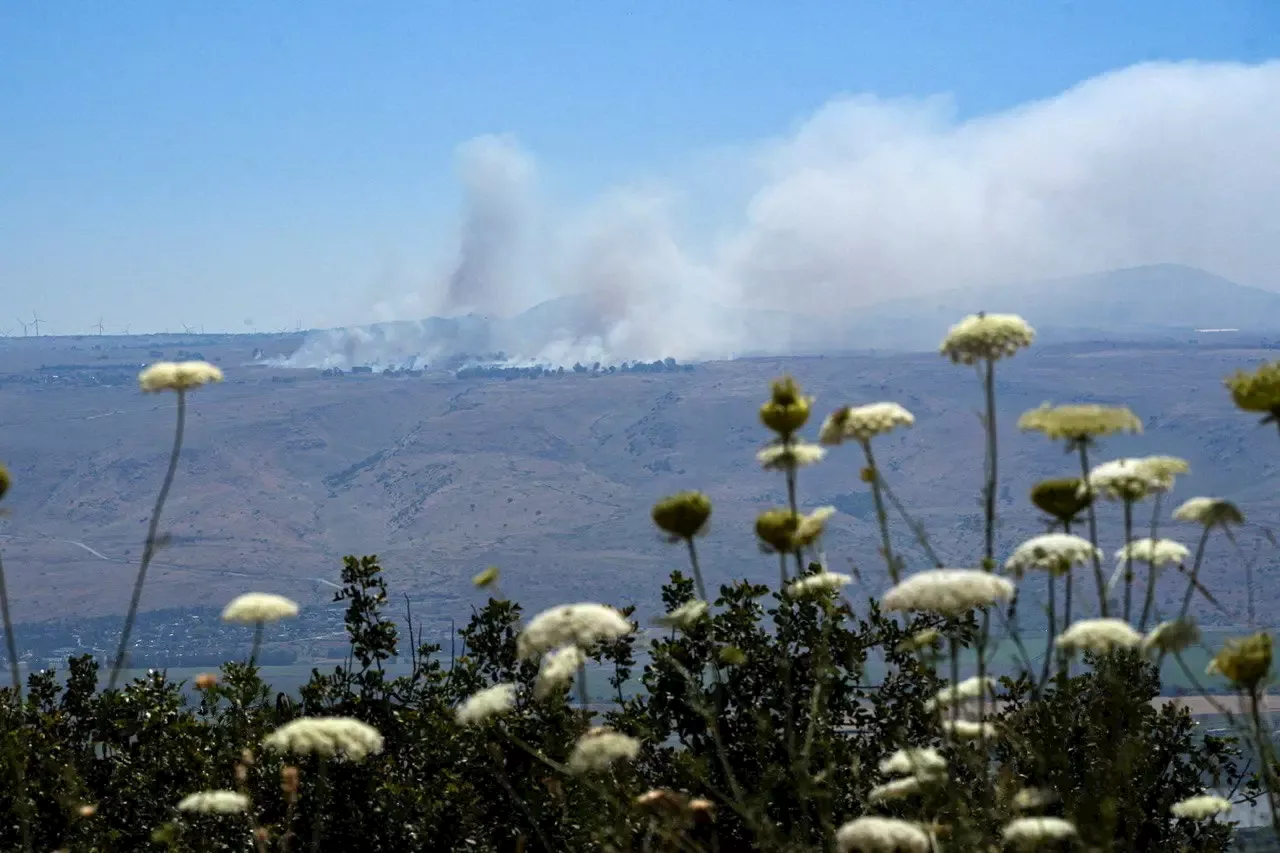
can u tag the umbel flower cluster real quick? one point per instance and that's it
(741, 734)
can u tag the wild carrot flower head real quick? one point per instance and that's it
(969, 729)
(954, 694)
(685, 616)
(1244, 662)
(1052, 552)
(910, 762)
(1164, 470)
(1159, 552)
(1209, 512)
(582, 625)
(214, 802)
(326, 737)
(863, 423)
(600, 748)
(1029, 799)
(986, 337)
(789, 456)
(1258, 391)
(559, 666)
(1123, 479)
(254, 608)
(882, 835)
(896, 789)
(1030, 833)
(950, 592)
(178, 376)
(1098, 635)
(787, 410)
(1171, 637)
(682, 516)
(817, 584)
(486, 704)
(1079, 422)
(1200, 808)
(783, 532)
(1062, 499)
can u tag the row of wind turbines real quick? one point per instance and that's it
(31, 328)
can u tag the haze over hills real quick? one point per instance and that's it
(284, 471)
(1140, 302)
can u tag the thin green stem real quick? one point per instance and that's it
(697, 570)
(993, 479)
(149, 547)
(1083, 447)
(882, 516)
(1263, 741)
(10, 639)
(1128, 557)
(1195, 573)
(1048, 644)
(257, 644)
(917, 529)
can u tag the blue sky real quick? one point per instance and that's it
(208, 163)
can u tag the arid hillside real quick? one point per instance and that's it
(551, 479)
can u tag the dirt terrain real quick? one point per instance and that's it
(551, 479)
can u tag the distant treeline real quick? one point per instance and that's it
(666, 365)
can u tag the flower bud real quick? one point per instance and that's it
(683, 515)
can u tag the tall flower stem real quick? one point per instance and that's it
(10, 640)
(993, 479)
(697, 569)
(1083, 447)
(1048, 643)
(257, 644)
(1128, 557)
(882, 516)
(1195, 572)
(149, 547)
(1265, 758)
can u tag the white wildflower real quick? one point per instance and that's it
(1033, 798)
(1098, 635)
(485, 704)
(1052, 552)
(1164, 469)
(685, 616)
(1200, 808)
(1209, 511)
(582, 625)
(326, 736)
(601, 747)
(905, 787)
(950, 592)
(817, 584)
(1162, 552)
(1171, 637)
(882, 835)
(913, 761)
(863, 423)
(255, 608)
(180, 376)
(969, 730)
(1122, 479)
(557, 671)
(1028, 833)
(783, 457)
(214, 802)
(954, 694)
(982, 337)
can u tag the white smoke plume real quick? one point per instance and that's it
(867, 200)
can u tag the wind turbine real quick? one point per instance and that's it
(35, 323)
(24, 328)
(126, 330)
(99, 326)
(187, 329)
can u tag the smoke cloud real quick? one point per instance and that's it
(866, 200)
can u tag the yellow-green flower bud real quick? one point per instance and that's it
(787, 409)
(1258, 391)
(1245, 662)
(683, 515)
(732, 656)
(486, 578)
(1061, 498)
